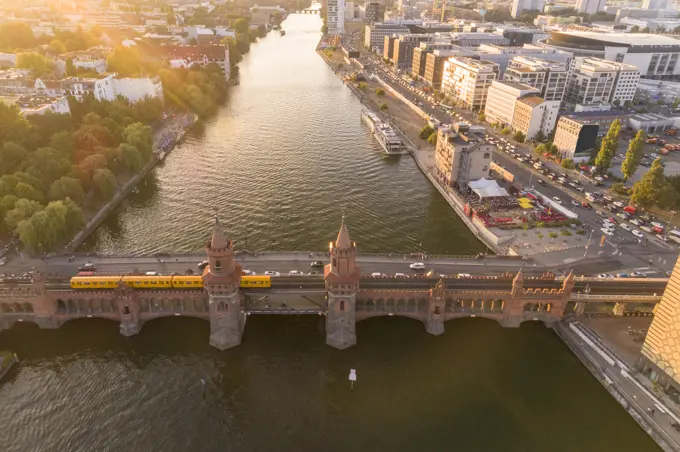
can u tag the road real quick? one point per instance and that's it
(663, 254)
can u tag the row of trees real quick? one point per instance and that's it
(53, 165)
(19, 36)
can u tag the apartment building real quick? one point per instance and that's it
(534, 114)
(404, 46)
(374, 12)
(595, 81)
(434, 64)
(37, 104)
(576, 133)
(502, 55)
(591, 6)
(420, 55)
(467, 81)
(461, 156)
(335, 17)
(374, 35)
(501, 99)
(548, 76)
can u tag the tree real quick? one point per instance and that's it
(362, 85)
(540, 136)
(57, 47)
(130, 157)
(171, 19)
(608, 149)
(16, 35)
(636, 149)
(11, 157)
(552, 149)
(125, 61)
(276, 18)
(37, 63)
(567, 163)
(519, 137)
(506, 131)
(240, 25)
(481, 116)
(634, 29)
(648, 191)
(380, 92)
(432, 139)
(23, 209)
(540, 149)
(67, 187)
(104, 183)
(70, 68)
(426, 131)
(382, 106)
(26, 191)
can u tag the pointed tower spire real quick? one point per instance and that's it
(343, 241)
(219, 239)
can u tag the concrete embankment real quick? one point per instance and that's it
(126, 189)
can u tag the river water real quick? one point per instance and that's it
(286, 165)
(281, 162)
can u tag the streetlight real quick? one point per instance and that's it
(588, 244)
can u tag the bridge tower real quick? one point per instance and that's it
(434, 323)
(221, 279)
(342, 283)
(512, 313)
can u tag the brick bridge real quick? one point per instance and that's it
(227, 308)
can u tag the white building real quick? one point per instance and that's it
(349, 11)
(103, 88)
(461, 156)
(533, 114)
(39, 105)
(335, 17)
(501, 98)
(590, 6)
(8, 60)
(502, 55)
(521, 5)
(595, 81)
(655, 4)
(467, 81)
(548, 76)
(655, 56)
(374, 35)
(138, 88)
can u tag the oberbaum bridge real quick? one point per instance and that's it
(343, 295)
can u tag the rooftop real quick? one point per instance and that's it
(649, 117)
(516, 85)
(35, 100)
(626, 39)
(531, 100)
(597, 114)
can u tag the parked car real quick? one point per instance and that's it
(317, 264)
(273, 274)
(604, 276)
(626, 227)
(636, 222)
(586, 205)
(400, 275)
(637, 233)
(417, 266)
(600, 213)
(295, 273)
(622, 215)
(464, 275)
(540, 182)
(378, 275)
(607, 232)
(248, 273)
(618, 204)
(557, 200)
(638, 275)
(622, 275)
(89, 267)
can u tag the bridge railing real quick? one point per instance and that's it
(615, 298)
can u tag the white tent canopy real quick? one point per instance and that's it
(485, 188)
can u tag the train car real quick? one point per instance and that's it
(148, 282)
(261, 282)
(94, 282)
(187, 282)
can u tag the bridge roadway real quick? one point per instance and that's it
(594, 286)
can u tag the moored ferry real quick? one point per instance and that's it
(388, 139)
(370, 119)
(7, 360)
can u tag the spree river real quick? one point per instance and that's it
(281, 162)
(283, 159)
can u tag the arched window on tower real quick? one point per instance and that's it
(342, 305)
(218, 265)
(335, 262)
(126, 310)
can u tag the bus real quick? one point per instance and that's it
(674, 235)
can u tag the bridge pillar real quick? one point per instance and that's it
(434, 323)
(618, 309)
(128, 309)
(513, 309)
(342, 283)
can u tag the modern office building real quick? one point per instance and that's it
(388, 47)
(502, 55)
(576, 133)
(467, 81)
(534, 114)
(596, 81)
(335, 17)
(461, 156)
(403, 49)
(590, 6)
(375, 12)
(655, 56)
(374, 35)
(434, 64)
(501, 98)
(522, 5)
(548, 76)
(660, 358)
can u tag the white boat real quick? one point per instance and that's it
(388, 139)
(370, 119)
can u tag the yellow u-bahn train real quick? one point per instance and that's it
(158, 282)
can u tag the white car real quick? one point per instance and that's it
(272, 274)
(417, 266)
(605, 276)
(625, 227)
(295, 273)
(654, 156)
(637, 233)
(607, 232)
(377, 275)
(575, 203)
(464, 275)
(248, 273)
(557, 200)
(638, 275)
(618, 204)
(400, 275)
(636, 222)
